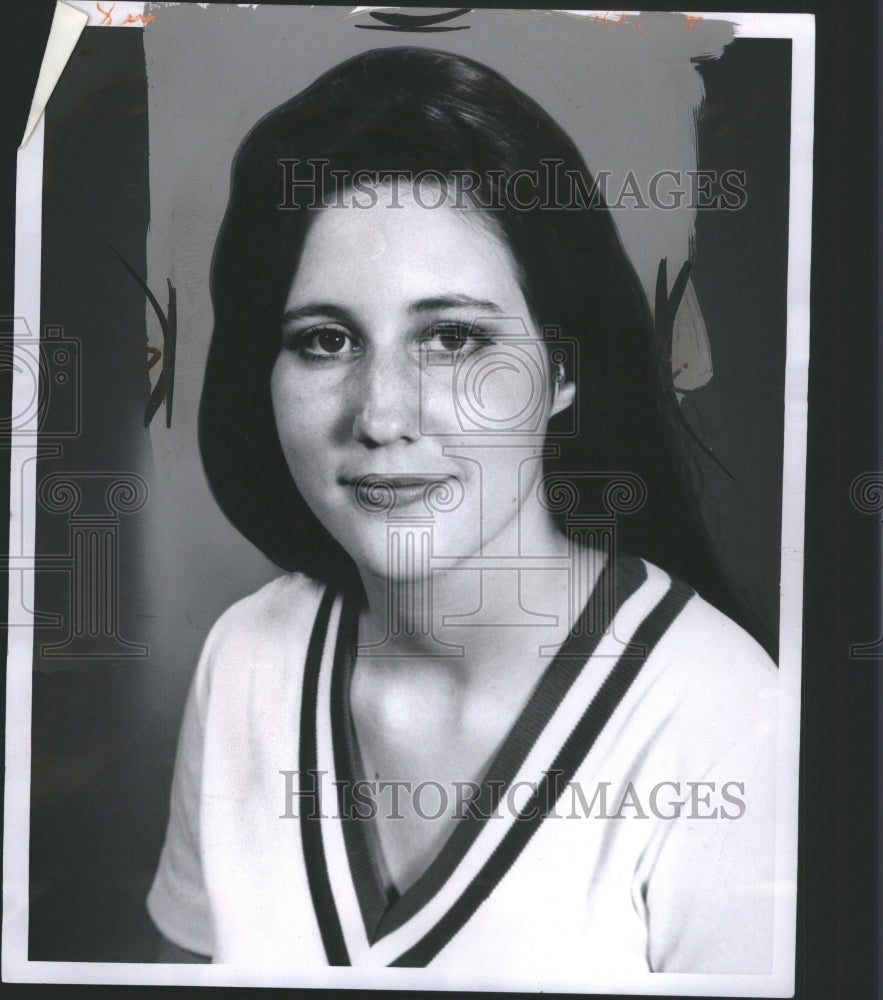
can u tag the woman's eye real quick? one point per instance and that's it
(323, 343)
(453, 337)
(331, 341)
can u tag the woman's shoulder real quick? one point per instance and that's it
(279, 615)
(705, 637)
(277, 600)
(704, 669)
(699, 697)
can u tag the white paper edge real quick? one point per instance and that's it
(67, 26)
(800, 28)
(20, 634)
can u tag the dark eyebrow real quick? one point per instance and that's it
(325, 309)
(422, 306)
(453, 302)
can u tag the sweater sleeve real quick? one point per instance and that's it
(177, 902)
(710, 898)
(709, 894)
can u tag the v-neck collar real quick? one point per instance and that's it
(331, 655)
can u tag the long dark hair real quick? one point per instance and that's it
(414, 110)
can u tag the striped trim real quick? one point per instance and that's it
(360, 852)
(383, 915)
(310, 827)
(542, 801)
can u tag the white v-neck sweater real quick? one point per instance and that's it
(657, 855)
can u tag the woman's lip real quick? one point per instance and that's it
(395, 480)
(375, 492)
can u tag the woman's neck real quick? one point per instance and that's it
(460, 618)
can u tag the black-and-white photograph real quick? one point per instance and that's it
(408, 457)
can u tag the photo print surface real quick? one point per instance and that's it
(408, 481)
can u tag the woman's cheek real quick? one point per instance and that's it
(504, 391)
(440, 409)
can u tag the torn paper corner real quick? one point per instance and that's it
(67, 26)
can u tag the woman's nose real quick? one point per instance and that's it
(387, 407)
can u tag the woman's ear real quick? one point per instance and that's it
(563, 395)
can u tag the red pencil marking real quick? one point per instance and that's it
(692, 20)
(607, 18)
(138, 19)
(106, 13)
(154, 353)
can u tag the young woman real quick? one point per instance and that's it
(466, 730)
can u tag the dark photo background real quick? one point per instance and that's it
(740, 274)
(100, 787)
(94, 818)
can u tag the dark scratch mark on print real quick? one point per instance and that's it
(168, 321)
(416, 22)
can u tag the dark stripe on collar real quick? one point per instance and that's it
(310, 824)
(361, 853)
(543, 800)
(616, 583)
(623, 578)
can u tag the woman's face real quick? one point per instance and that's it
(409, 359)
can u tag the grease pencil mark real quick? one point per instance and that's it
(168, 321)
(666, 309)
(416, 22)
(107, 19)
